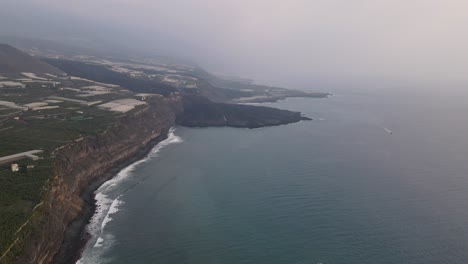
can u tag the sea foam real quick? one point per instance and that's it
(108, 198)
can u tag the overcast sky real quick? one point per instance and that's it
(271, 40)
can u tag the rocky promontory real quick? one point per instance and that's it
(201, 112)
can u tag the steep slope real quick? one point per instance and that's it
(13, 61)
(79, 169)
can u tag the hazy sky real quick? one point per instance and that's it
(273, 40)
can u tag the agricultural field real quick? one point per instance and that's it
(46, 112)
(20, 193)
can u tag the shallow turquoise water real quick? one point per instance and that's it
(339, 189)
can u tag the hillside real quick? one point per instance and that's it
(13, 61)
(89, 118)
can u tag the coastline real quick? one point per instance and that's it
(61, 233)
(76, 236)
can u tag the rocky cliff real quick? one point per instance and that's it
(85, 164)
(57, 231)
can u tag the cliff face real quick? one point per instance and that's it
(82, 163)
(55, 234)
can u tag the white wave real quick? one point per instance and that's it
(126, 172)
(103, 203)
(99, 242)
(171, 139)
(108, 203)
(114, 208)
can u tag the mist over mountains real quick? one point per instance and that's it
(281, 42)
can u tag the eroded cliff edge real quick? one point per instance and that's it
(56, 232)
(82, 163)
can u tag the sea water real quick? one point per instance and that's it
(340, 189)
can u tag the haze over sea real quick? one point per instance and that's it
(380, 176)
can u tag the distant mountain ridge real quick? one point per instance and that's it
(14, 61)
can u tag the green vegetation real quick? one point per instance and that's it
(20, 192)
(53, 109)
(52, 128)
(101, 73)
(48, 129)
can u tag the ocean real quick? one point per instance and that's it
(379, 176)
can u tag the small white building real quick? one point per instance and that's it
(14, 167)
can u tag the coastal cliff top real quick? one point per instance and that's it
(57, 101)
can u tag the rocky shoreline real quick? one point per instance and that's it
(76, 236)
(56, 234)
(59, 235)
